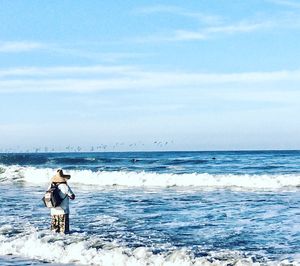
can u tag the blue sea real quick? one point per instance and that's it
(154, 208)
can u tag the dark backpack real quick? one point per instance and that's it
(52, 198)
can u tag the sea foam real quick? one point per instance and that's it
(77, 249)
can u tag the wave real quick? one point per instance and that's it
(79, 248)
(152, 179)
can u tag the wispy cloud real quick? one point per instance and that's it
(173, 36)
(213, 26)
(99, 78)
(65, 71)
(17, 47)
(240, 27)
(94, 55)
(208, 32)
(86, 51)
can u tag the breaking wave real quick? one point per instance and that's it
(146, 179)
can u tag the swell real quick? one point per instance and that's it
(23, 159)
(153, 179)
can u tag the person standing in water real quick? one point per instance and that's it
(60, 214)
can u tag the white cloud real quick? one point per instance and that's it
(93, 54)
(211, 31)
(213, 26)
(240, 27)
(63, 85)
(17, 47)
(66, 70)
(99, 78)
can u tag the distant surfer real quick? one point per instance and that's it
(60, 214)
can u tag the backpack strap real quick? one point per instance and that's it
(53, 184)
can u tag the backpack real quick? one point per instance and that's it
(52, 198)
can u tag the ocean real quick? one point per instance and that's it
(154, 208)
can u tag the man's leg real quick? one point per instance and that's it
(64, 223)
(67, 224)
(55, 223)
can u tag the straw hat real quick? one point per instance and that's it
(60, 177)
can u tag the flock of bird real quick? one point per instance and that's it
(95, 148)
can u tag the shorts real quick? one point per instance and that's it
(60, 223)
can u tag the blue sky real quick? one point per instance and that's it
(150, 75)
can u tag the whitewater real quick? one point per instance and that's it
(154, 208)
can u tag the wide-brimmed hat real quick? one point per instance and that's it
(60, 177)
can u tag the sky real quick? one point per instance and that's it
(149, 75)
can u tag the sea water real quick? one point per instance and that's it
(155, 208)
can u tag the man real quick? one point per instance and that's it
(60, 214)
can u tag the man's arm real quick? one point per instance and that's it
(70, 193)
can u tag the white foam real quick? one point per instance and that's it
(79, 250)
(145, 179)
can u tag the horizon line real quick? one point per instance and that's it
(152, 151)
